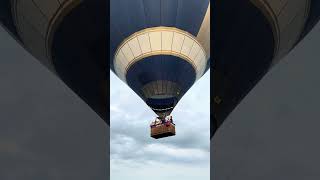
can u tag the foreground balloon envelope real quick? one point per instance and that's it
(159, 48)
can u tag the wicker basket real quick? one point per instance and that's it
(163, 130)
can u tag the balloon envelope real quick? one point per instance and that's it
(159, 48)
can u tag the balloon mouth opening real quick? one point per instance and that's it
(162, 96)
(162, 113)
(163, 110)
(161, 103)
(162, 107)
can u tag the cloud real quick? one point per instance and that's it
(158, 171)
(133, 150)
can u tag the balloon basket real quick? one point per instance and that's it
(163, 130)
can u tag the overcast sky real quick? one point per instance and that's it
(134, 154)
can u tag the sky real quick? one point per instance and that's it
(134, 154)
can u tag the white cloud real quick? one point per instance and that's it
(157, 171)
(181, 154)
(135, 154)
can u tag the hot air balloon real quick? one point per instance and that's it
(159, 49)
(250, 37)
(70, 38)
